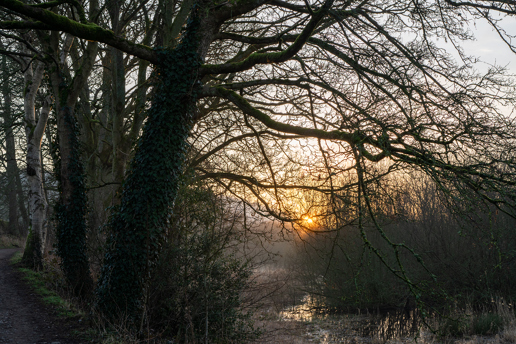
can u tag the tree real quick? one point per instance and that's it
(351, 82)
(10, 150)
(71, 207)
(34, 125)
(34, 130)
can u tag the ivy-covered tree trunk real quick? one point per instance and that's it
(71, 208)
(137, 226)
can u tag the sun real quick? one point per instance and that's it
(308, 219)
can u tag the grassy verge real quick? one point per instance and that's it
(50, 286)
(16, 258)
(10, 241)
(45, 285)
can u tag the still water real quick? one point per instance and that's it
(326, 327)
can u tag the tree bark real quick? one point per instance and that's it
(34, 130)
(12, 167)
(21, 206)
(72, 205)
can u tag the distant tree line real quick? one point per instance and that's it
(465, 253)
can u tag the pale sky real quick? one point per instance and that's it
(490, 47)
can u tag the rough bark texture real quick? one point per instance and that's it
(34, 130)
(21, 206)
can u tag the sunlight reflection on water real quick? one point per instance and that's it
(302, 312)
(326, 327)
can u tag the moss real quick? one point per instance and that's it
(88, 31)
(36, 281)
(32, 255)
(16, 258)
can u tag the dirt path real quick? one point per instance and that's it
(23, 319)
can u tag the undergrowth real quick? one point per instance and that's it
(497, 318)
(10, 241)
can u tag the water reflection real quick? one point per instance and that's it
(326, 326)
(396, 325)
(305, 311)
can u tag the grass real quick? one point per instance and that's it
(50, 286)
(10, 241)
(16, 258)
(495, 324)
(509, 332)
(489, 323)
(42, 282)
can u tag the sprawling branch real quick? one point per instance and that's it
(253, 181)
(273, 57)
(496, 5)
(248, 109)
(23, 25)
(89, 31)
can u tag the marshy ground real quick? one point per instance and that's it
(293, 318)
(296, 328)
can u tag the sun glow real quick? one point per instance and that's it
(308, 219)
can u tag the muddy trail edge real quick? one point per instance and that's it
(23, 317)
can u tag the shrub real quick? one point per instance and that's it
(195, 293)
(487, 323)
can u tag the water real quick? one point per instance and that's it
(325, 326)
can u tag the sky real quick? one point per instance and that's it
(490, 47)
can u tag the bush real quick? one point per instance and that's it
(10, 241)
(195, 293)
(487, 323)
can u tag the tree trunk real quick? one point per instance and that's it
(139, 223)
(24, 230)
(71, 208)
(12, 167)
(70, 211)
(34, 131)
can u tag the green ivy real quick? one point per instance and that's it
(137, 225)
(70, 214)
